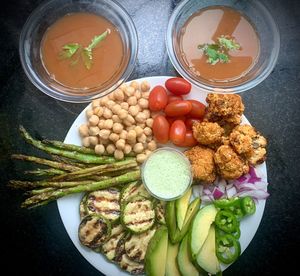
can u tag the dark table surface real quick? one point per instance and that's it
(36, 241)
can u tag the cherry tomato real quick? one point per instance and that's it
(190, 121)
(161, 129)
(173, 98)
(178, 108)
(198, 109)
(158, 98)
(172, 119)
(178, 86)
(177, 132)
(189, 140)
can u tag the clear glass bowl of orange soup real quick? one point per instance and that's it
(77, 51)
(197, 43)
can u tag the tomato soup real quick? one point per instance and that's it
(206, 27)
(81, 69)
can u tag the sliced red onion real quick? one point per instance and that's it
(261, 185)
(257, 194)
(206, 198)
(253, 177)
(217, 193)
(230, 192)
(241, 179)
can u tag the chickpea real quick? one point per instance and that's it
(101, 123)
(142, 138)
(99, 149)
(110, 148)
(120, 144)
(109, 104)
(145, 95)
(147, 113)
(96, 103)
(86, 142)
(103, 101)
(107, 114)
(139, 131)
(145, 86)
(143, 103)
(119, 95)
(111, 96)
(149, 122)
(94, 120)
(123, 134)
(129, 120)
(138, 94)
(125, 106)
(104, 134)
(152, 145)
(127, 149)
(104, 142)
(133, 110)
(123, 86)
(135, 85)
(140, 117)
(138, 148)
(89, 113)
(147, 131)
(132, 100)
(140, 158)
(131, 135)
(116, 108)
(116, 119)
(129, 91)
(84, 130)
(142, 125)
(94, 130)
(149, 138)
(118, 154)
(98, 111)
(108, 124)
(122, 114)
(114, 137)
(128, 128)
(148, 152)
(93, 140)
(117, 127)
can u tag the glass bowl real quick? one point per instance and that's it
(49, 12)
(264, 24)
(156, 187)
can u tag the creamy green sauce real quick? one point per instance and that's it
(167, 174)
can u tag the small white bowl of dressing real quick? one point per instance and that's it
(167, 174)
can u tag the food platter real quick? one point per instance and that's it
(69, 206)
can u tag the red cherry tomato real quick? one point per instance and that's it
(161, 129)
(178, 86)
(172, 119)
(178, 108)
(173, 98)
(190, 121)
(189, 140)
(177, 132)
(198, 109)
(158, 98)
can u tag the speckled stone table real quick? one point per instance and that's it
(35, 241)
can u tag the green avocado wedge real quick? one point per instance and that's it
(181, 206)
(156, 254)
(200, 228)
(171, 221)
(171, 265)
(207, 258)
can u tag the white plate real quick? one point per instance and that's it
(69, 206)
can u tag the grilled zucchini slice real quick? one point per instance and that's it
(160, 212)
(138, 214)
(136, 245)
(109, 247)
(132, 190)
(130, 266)
(105, 203)
(82, 209)
(94, 230)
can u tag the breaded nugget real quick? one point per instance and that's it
(224, 108)
(203, 166)
(207, 133)
(246, 141)
(229, 165)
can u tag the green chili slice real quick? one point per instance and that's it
(248, 205)
(228, 249)
(226, 221)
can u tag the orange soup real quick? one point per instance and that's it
(205, 28)
(69, 64)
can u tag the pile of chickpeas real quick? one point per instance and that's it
(121, 124)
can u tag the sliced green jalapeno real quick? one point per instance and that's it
(228, 249)
(226, 221)
(248, 205)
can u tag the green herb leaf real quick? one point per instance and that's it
(69, 50)
(87, 57)
(97, 39)
(228, 43)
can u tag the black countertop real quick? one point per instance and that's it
(36, 241)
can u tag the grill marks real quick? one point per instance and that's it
(132, 190)
(105, 203)
(94, 231)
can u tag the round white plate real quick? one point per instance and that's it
(69, 205)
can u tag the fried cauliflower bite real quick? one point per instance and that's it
(229, 165)
(224, 108)
(246, 141)
(207, 133)
(203, 166)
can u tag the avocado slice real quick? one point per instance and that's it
(181, 206)
(184, 261)
(156, 254)
(171, 265)
(207, 258)
(171, 221)
(200, 227)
